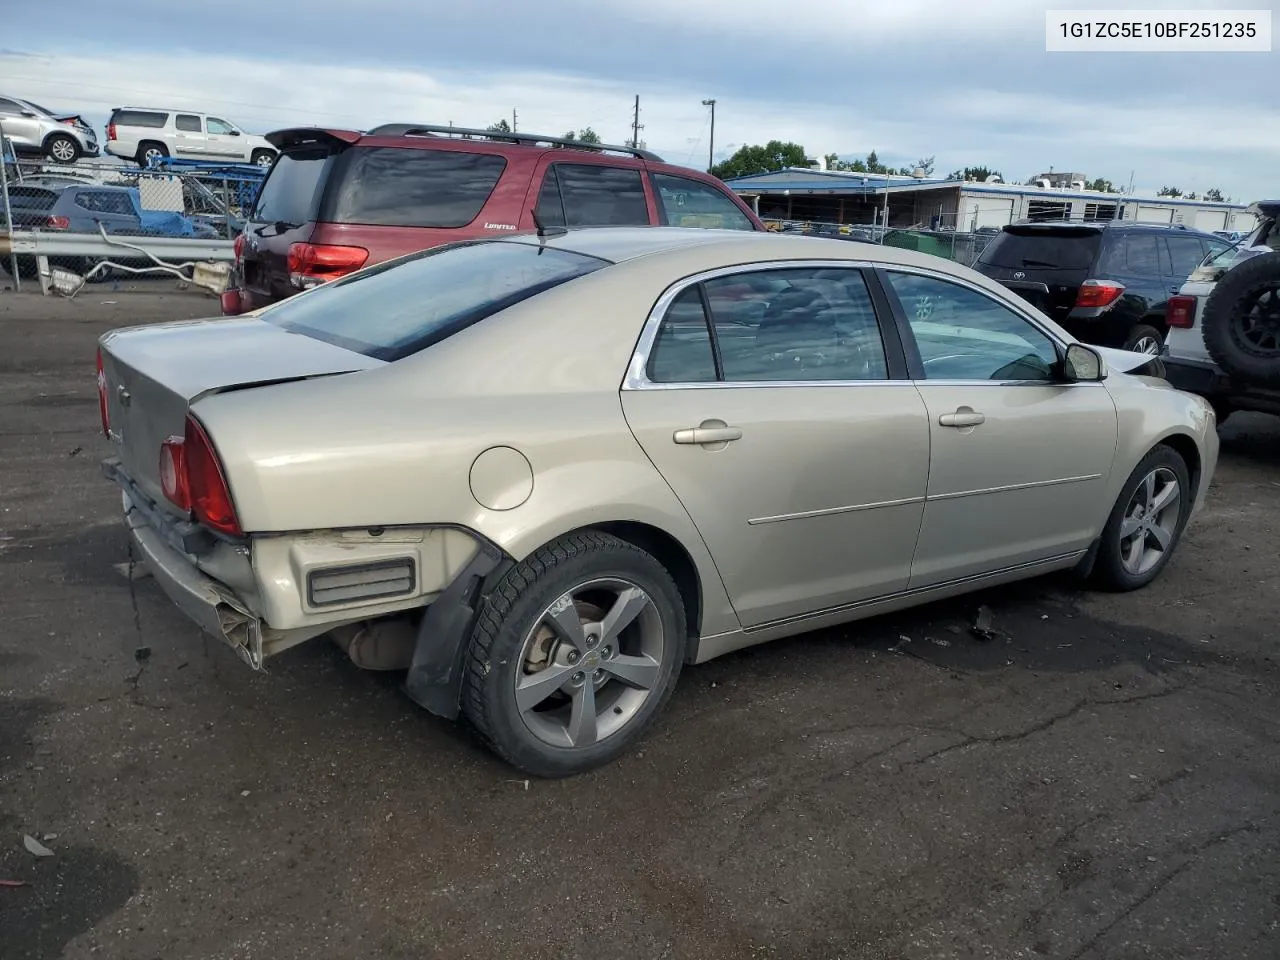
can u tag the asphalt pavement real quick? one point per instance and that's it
(1099, 780)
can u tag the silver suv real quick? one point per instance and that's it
(34, 131)
(144, 134)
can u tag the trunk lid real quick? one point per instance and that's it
(1043, 263)
(153, 375)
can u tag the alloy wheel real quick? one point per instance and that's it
(1150, 521)
(590, 663)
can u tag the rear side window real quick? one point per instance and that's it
(187, 123)
(100, 201)
(32, 198)
(139, 118)
(1135, 253)
(289, 194)
(691, 203)
(402, 306)
(1060, 249)
(592, 195)
(403, 187)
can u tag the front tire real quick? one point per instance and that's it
(1146, 522)
(574, 653)
(61, 148)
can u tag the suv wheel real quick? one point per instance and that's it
(1144, 338)
(62, 148)
(263, 158)
(574, 653)
(150, 151)
(1242, 321)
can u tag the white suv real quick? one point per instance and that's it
(144, 134)
(1224, 324)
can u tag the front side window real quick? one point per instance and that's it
(214, 125)
(187, 123)
(966, 335)
(9, 108)
(802, 324)
(595, 195)
(691, 203)
(402, 306)
(406, 187)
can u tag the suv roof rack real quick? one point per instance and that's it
(1102, 222)
(427, 129)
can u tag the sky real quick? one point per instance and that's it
(968, 83)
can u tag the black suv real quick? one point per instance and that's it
(1106, 282)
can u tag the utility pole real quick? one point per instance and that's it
(636, 126)
(711, 146)
(513, 120)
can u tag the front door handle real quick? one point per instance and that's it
(964, 417)
(709, 431)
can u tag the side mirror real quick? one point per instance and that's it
(1083, 365)
(235, 133)
(28, 113)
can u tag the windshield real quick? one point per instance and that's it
(402, 306)
(1264, 235)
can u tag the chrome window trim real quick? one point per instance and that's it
(637, 377)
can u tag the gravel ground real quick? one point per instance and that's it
(1100, 780)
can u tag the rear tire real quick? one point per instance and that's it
(149, 149)
(1242, 321)
(624, 617)
(1144, 338)
(1146, 522)
(263, 158)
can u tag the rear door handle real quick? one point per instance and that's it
(964, 417)
(708, 432)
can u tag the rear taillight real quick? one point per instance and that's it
(192, 478)
(111, 131)
(57, 223)
(314, 263)
(237, 248)
(1098, 293)
(1181, 311)
(173, 472)
(102, 397)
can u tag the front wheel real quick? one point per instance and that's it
(61, 148)
(1146, 522)
(574, 653)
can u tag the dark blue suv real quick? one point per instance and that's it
(1105, 282)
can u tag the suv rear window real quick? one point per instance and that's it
(289, 193)
(32, 198)
(404, 187)
(139, 118)
(1062, 248)
(402, 306)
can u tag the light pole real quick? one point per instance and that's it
(711, 146)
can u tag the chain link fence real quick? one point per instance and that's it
(173, 200)
(941, 241)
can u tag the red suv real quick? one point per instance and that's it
(338, 200)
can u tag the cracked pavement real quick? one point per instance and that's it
(1100, 780)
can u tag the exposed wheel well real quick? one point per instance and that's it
(1185, 447)
(668, 551)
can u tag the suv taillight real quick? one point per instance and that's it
(237, 248)
(315, 263)
(57, 223)
(192, 478)
(1098, 293)
(102, 397)
(1181, 312)
(111, 131)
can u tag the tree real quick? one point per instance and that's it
(586, 135)
(1213, 193)
(1168, 192)
(925, 164)
(874, 165)
(500, 127)
(1191, 195)
(773, 156)
(1101, 184)
(973, 173)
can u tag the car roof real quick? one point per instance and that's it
(620, 244)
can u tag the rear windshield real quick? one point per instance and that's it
(139, 118)
(406, 187)
(289, 194)
(1061, 248)
(402, 306)
(32, 198)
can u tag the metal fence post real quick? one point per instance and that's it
(8, 213)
